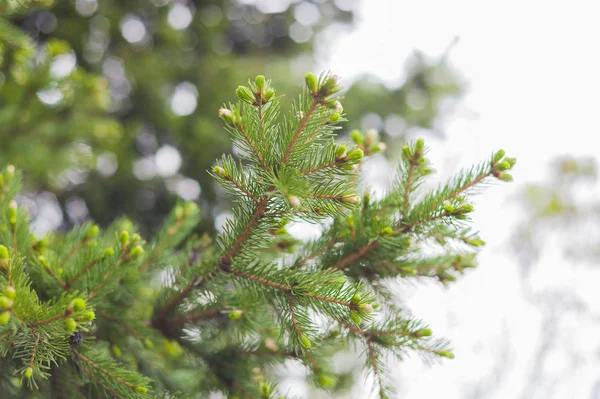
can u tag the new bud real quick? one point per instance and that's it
(337, 107)
(70, 324)
(334, 117)
(330, 84)
(226, 115)
(365, 308)
(503, 165)
(406, 152)
(236, 314)
(11, 212)
(136, 252)
(505, 177)
(357, 137)
(498, 155)
(294, 201)
(260, 83)
(305, 341)
(355, 155)
(4, 317)
(4, 255)
(424, 332)
(108, 252)
(269, 95)
(141, 389)
(28, 372)
(89, 316)
(511, 161)
(245, 94)
(351, 199)
(116, 350)
(447, 354)
(10, 292)
(340, 151)
(387, 231)
(419, 146)
(5, 302)
(356, 298)
(124, 237)
(93, 231)
(220, 172)
(78, 305)
(311, 82)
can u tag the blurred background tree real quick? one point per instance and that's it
(137, 85)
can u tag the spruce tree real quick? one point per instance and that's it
(106, 313)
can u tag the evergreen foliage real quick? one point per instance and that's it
(105, 313)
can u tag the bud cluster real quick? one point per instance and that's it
(501, 164)
(259, 92)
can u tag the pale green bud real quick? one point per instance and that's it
(245, 94)
(355, 155)
(311, 82)
(340, 151)
(498, 155)
(357, 137)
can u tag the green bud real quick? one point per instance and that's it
(511, 161)
(93, 231)
(406, 152)
(265, 390)
(141, 389)
(408, 270)
(476, 242)
(466, 208)
(498, 155)
(269, 95)
(352, 199)
(3, 252)
(340, 151)
(11, 212)
(124, 238)
(245, 94)
(505, 177)
(355, 317)
(28, 372)
(149, 344)
(356, 298)
(447, 354)
(355, 155)
(108, 252)
(449, 208)
(116, 350)
(226, 115)
(9, 173)
(60, 270)
(135, 238)
(219, 171)
(311, 82)
(178, 212)
(419, 146)
(334, 117)
(70, 324)
(330, 84)
(10, 292)
(327, 381)
(503, 165)
(5, 302)
(89, 316)
(348, 167)
(357, 137)
(260, 83)
(4, 317)
(190, 207)
(365, 308)
(294, 201)
(78, 305)
(387, 231)
(136, 252)
(337, 107)
(424, 332)
(236, 314)
(305, 341)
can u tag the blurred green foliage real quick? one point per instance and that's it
(139, 76)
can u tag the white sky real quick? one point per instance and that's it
(533, 73)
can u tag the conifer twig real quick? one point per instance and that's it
(301, 126)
